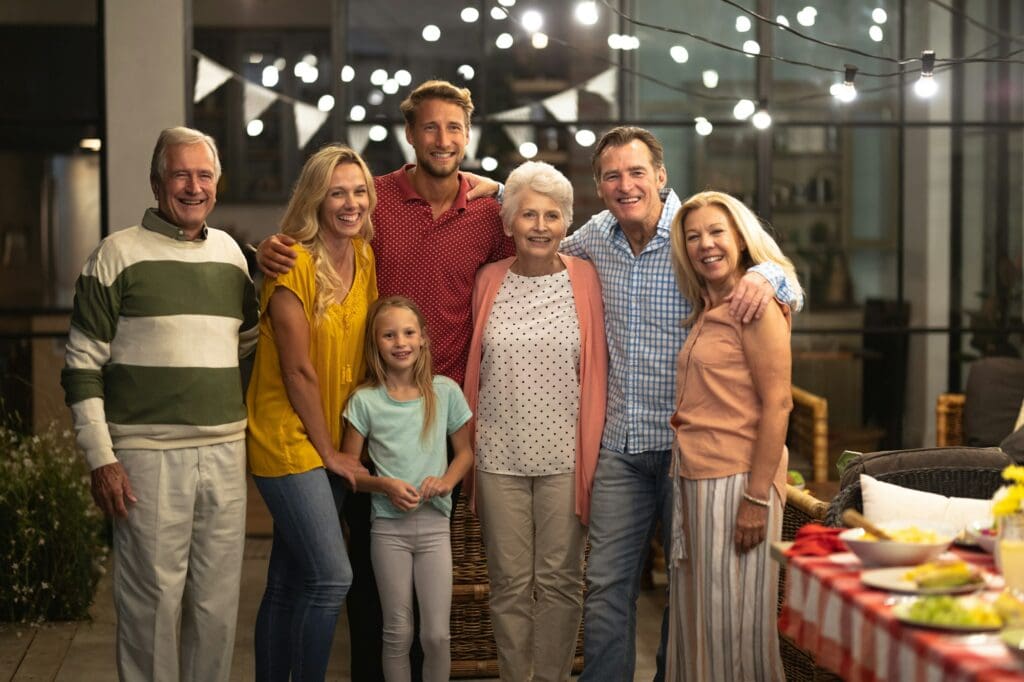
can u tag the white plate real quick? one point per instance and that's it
(892, 579)
(900, 610)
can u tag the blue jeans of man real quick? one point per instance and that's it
(307, 579)
(631, 492)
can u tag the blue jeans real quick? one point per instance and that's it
(630, 493)
(307, 579)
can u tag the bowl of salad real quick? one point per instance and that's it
(913, 542)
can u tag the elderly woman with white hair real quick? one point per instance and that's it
(535, 380)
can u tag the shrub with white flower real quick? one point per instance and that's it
(1009, 499)
(51, 534)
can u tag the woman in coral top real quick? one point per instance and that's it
(309, 359)
(729, 470)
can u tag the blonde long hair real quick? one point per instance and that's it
(422, 371)
(761, 247)
(302, 217)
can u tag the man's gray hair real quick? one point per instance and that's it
(172, 137)
(542, 178)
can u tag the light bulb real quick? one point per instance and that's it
(703, 126)
(743, 109)
(926, 87)
(761, 120)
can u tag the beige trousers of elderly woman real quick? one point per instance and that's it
(534, 544)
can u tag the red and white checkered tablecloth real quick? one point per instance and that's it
(850, 630)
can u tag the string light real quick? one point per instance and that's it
(702, 126)
(466, 71)
(742, 24)
(348, 74)
(470, 15)
(431, 33)
(679, 54)
(378, 133)
(743, 109)
(761, 120)
(254, 127)
(846, 92)
(270, 76)
(875, 33)
(539, 40)
(751, 47)
(879, 15)
(390, 86)
(498, 14)
(528, 150)
(503, 41)
(403, 77)
(710, 79)
(325, 103)
(378, 77)
(489, 163)
(357, 112)
(586, 13)
(532, 21)
(926, 86)
(585, 137)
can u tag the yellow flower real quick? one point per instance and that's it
(1009, 499)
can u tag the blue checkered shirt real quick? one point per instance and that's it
(642, 312)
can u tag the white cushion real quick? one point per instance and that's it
(888, 502)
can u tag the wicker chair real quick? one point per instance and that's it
(808, 431)
(949, 420)
(955, 472)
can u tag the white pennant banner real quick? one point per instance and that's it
(604, 84)
(358, 136)
(308, 120)
(209, 76)
(517, 133)
(564, 106)
(474, 142)
(408, 153)
(257, 99)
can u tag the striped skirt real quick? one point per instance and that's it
(722, 604)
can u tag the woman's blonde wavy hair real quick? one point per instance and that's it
(302, 217)
(760, 246)
(422, 371)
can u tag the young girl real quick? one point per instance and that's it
(404, 414)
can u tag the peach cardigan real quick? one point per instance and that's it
(586, 292)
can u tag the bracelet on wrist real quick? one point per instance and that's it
(755, 500)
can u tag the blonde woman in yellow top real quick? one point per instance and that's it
(309, 358)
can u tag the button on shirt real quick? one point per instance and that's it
(642, 312)
(434, 262)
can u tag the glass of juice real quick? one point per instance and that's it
(1011, 551)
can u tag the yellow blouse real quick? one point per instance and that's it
(276, 440)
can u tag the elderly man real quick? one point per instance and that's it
(163, 311)
(430, 239)
(629, 245)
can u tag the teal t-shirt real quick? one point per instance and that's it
(392, 430)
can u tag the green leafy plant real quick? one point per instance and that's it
(51, 534)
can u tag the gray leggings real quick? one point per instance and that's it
(414, 549)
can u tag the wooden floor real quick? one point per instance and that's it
(76, 652)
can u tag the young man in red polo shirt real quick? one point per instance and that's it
(430, 238)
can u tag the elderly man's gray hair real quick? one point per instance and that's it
(542, 178)
(172, 137)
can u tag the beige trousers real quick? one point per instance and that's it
(534, 544)
(178, 559)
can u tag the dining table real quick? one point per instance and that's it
(851, 630)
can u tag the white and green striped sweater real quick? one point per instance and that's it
(158, 326)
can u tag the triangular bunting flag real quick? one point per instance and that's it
(474, 142)
(209, 76)
(604, 84)
(407, 151)
(308, 120)
(358, 136)
(257, 99)
(517, 114)
(519, 134)
(564, 106)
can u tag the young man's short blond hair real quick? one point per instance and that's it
(436, 89)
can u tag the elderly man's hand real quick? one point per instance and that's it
(480, 187)
(111, 490)
(275, 255)
(750, 297)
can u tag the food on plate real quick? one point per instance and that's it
(1010, 608)
(911, 534)
(944, 610)
(939, 574)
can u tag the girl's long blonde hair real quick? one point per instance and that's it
(422, 371)
(302, 217)
(761, 247)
